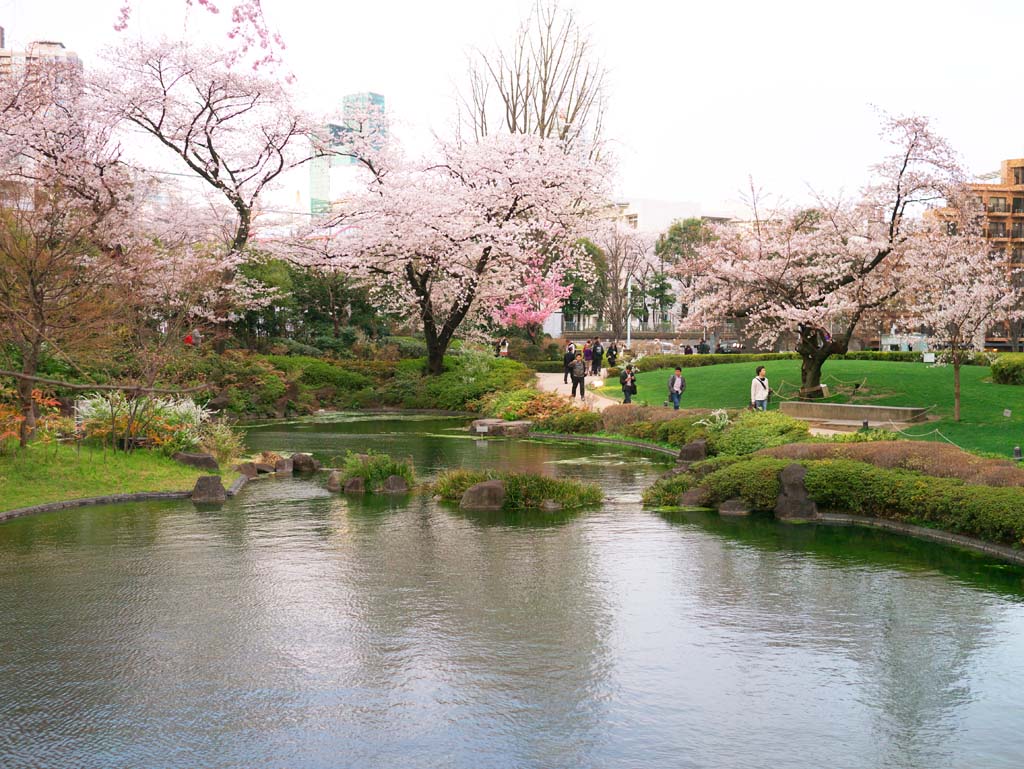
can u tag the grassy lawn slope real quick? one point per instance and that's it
(983, 427)
(43, 474)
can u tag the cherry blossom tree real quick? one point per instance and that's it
(628, 256)
(821, 271)
(236, 131)
(542, 293)
(248, 29)
(959, 289)
(451, 240)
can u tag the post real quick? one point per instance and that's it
(629, 311)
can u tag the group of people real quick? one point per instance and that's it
(580, 362)
(760, 390)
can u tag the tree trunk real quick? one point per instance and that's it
(29, 367)
(956, 388)
(435, 355)
(815, 346)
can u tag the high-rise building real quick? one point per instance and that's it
(36, 51)
(359, 112)
(1003, 206)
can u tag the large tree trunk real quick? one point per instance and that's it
(815, 346)
(29, 367)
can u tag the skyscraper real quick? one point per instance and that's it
(359, 112)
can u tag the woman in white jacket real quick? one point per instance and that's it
(759, 390)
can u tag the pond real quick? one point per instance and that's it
(294, 628)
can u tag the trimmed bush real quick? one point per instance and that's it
(374, 468)
(523, 491)
(1008, 368)
(755, 481)
(667, 491)
(524, 403)
(466, 379)
(574, 421)
(938, 460)
(545, 366)
(755, 430)
(655, 362)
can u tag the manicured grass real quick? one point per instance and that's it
(43, 474)
(983, 427)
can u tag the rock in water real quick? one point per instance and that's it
(334, 481)
(794, 503)
(304, 463)
(284, 466)
(248, 469)
(735, 506)
(355, 486)
(395, 484)
(209, 490)
(488, 495)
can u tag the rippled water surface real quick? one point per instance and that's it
(293, 628)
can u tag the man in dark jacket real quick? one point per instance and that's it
(578, 371)
(567, 358)
(676, 387)
(598, 356)
(628, 381)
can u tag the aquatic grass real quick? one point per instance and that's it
(374, 468)
(523, 491)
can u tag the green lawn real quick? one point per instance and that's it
(983, 427)
(40, 474)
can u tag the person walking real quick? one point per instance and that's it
(628, 381)
(598, 353)
(588, 355)
(759, 390)
(579, 375)
(503, 347)
(676, 387)
(613, 354)
(567, 358)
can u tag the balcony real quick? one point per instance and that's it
(1017, 232)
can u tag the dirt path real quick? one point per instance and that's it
(553, 383)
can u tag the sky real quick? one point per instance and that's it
(703, 95)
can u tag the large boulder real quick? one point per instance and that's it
(202, 461)
(694, 451)
(209, 490)
(484, 426)
(515, 429)
(734, 507)
(794, 503)
(334, 481)
(304, 463)
(284, 466)
(695, 497)
(488, 495)
(355, 486)
(395, 484)
(248, 469)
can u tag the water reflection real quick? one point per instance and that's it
(302, 629)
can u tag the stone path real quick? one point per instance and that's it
(553, 383)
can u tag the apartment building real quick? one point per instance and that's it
(37, 51)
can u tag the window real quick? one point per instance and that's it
(1018, 175)
(997, 229)
(1017, 257)
(997, 206)
(1018, 205)
(1018, 230)
(951, 228)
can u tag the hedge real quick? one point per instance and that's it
(1008, 368)
(656, 362)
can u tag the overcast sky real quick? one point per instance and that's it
(703, 94)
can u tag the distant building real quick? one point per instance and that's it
(36, 51)
(325, 182)
(1003, 204)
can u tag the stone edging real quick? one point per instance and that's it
(609, 441)
(922, 532)
(111, 499)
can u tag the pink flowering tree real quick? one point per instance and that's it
(236, 132)
(452, 241)
(958, 287)
(819, 272)
(543, 293)
(253, 39)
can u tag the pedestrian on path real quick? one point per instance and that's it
(676, 387)
(567, 358)
(628, 381)
(579, 375)
(759, 390)
(613, 354)
(598, 353)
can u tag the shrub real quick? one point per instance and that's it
(754, 430)
(755, 481)
(546, 366)
(655, 362)
(524, 403)
(465, 381)
(871, 435)
(220, 439)
(523, 491)
(374, 468)
(170, 424)
(621, 415)
(408, 346)
(667, 491)
(574, 421)
(682, 430)
(712, 464)
(316, 373)
(291, 347)
(934, 459)
(1008, 368)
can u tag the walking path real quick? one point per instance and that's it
(553, 383)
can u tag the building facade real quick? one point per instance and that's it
(12, 60)
(328, 177)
